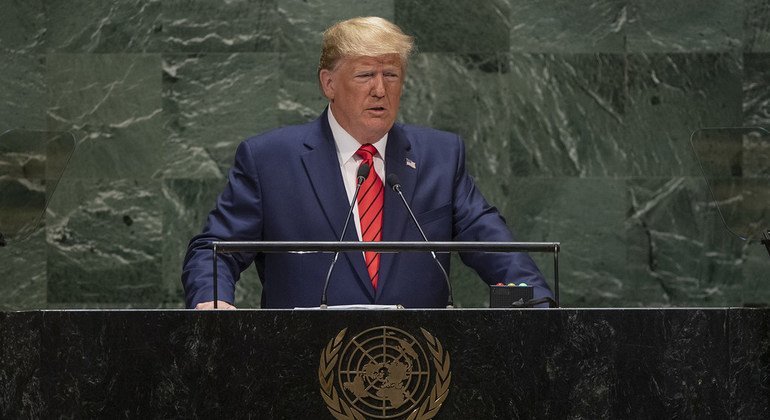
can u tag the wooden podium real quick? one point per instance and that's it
(444, 364)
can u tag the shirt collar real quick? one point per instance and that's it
(347, 145)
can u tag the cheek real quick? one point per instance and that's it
(395, 92)
(395, 98)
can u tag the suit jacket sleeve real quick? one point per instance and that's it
(477, 220)
(237, 216)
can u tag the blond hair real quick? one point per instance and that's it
(363, 36)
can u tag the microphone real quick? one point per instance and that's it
(361, 175)
(396, 186)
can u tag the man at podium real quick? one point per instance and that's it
(297, 183)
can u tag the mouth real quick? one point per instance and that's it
(376, 109)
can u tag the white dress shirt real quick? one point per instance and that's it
(346, 153)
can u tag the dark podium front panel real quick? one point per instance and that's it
(564, 363)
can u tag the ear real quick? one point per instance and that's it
(327, 83)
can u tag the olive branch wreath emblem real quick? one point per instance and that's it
(342, 411)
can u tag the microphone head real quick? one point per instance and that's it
(393, 181)
(363, 171)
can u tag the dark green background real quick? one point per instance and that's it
(576, 115)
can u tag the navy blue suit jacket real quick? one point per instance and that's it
(286, 185)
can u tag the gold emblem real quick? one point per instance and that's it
(384, 373)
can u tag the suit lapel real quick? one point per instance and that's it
(323, 169)
(395, 216)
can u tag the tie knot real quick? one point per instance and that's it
(367, 152)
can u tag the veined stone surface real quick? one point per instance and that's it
(576, 115)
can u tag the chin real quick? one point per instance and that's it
(380, 125)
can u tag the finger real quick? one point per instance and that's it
(204, 305)
(210, 305)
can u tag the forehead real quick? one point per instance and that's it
(388, 60)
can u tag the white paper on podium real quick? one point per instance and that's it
(359, 307)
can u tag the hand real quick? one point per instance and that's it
(210, 305)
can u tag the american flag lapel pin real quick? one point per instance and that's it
(410, 163)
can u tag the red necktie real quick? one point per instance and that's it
(370, 200)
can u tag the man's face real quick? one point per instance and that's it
(365, 93)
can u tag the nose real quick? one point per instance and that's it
(378, 86)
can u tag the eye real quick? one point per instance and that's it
(392, 75)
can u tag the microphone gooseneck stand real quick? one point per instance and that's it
(361, 175)
(396, 186)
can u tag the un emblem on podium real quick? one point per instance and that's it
(384, 373)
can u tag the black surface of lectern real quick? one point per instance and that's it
(444, 364)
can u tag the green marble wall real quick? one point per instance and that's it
(576, 114)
